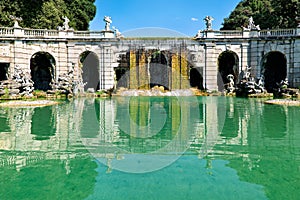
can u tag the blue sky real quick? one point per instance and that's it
(184, 16)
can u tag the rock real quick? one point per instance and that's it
(91, 90)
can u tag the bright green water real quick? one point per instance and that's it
(151, 148)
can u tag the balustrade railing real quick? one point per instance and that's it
(41, 33)
(278, 32)
(92, 34)
(6, 31)
(229, 33)
(44, 33)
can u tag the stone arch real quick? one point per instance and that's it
(89, 65)
(42, 65)
(228, 63)
(196, 78)
(274, 69)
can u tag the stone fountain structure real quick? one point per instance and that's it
(20, 84)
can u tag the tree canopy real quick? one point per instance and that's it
(47, 14)
(266, 13)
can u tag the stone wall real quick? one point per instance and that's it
(201, 53)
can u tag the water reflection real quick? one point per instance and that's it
(219, 147)
(43, 123)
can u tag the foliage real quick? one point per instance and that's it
(47, 14)
(266, 13)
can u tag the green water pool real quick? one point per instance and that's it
(151, 148)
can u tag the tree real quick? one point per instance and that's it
(47, 14)
(266, 13)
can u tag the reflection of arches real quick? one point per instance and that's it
(159, 72)
(43, 123)
(274, 69)
(90, 122)
(89, 63)
(4, 121)
(228, 63)
(146, 120)
(42, 66)
(274, 115)
(196, 79)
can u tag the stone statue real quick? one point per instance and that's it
(16, 20)
(107, 21)
(199, 34)
(208, 21)
(261, 84)
(117, 32)
(230, 87)
(251, 25)
(247, 74)
(66, 23)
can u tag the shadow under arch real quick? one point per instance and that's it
(196, 78)
(89, 65)
(42, 65)
(274, 69)
(228, 63)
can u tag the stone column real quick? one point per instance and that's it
(184, 76)
(211, 67)
(106, 72)
(133, 81)
(62, 62)
(255, 57)
(175, 63)
(20, 56)
(143, 72)
(244, 56)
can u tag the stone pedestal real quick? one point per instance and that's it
(108, 34)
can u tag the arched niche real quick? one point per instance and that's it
(89, 65)
(228, 63)
(196, 78)
(274, 69)
(42, 65)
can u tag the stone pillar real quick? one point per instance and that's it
(143, 71)
(133, 81)
(254, 54)
(175, 63)
(211, 67)
(244, 57)
(62, 62)
(19, 57)
(184, 76)
(296, 72)
(106, 72)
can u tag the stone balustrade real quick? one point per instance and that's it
(248, 33)
(6, 31)
(278, 32)
(44, 33)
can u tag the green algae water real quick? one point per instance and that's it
(151, 148)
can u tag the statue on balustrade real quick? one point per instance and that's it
(251, 25)
(16, 20)
(208, 21)
(107, 21)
